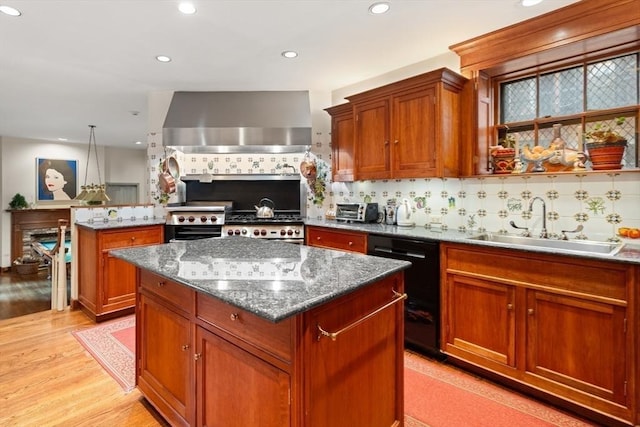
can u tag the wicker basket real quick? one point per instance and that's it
(27, 268)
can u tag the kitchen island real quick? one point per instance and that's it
(240, 331)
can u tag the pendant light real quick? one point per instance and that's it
(92, 194)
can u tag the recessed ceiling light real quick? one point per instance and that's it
(289, 54)
(138, 142)
(527, 3)
(380, 7)
(187, 8)
(163, 58)
(62, 139)
(9, 10)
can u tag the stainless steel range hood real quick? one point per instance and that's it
(238, 122)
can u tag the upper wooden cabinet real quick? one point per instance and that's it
(407, 129)
(342, 142)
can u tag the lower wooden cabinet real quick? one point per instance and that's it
(559, 324)
(332, 238)
(107, 285)
(203, 362)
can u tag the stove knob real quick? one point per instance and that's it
(263, 232)
(290, 232)
(256, 232)
(180, 218)
(230, 232)
(283, 232)
(236, 232)
(297, 231)
(191, 219)
(203, 218)
(213, 219)
(244, 231)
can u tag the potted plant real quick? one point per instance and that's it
(18, 202)
(606, 146)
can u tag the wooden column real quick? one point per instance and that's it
(32, 219)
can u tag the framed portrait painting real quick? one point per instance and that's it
(56, 180)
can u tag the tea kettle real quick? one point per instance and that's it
(263, 210)
(404, 216)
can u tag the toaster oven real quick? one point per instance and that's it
(357, 212)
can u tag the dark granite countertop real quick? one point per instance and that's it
(101, 224)
(273, 280)
(628, 253)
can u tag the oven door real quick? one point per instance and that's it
(176, 233)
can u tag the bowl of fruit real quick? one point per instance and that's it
(630, 232)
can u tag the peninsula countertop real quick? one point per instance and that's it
(273, 280)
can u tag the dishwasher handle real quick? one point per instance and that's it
(399, 252)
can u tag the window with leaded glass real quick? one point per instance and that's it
(577, 97)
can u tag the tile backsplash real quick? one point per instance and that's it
(601, 202)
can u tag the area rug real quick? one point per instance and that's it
(112, 344)
(439, 395)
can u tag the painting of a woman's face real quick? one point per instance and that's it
(54, 180)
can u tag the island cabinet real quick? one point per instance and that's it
(201, 361)
(558, 324)
(409, 129)
(107, 285)
(342, 142)
(332, 238)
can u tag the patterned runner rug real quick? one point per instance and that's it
(112, 344)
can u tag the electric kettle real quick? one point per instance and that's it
(404, 216)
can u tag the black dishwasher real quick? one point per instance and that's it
(422, 285)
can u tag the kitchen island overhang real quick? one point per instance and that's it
(248, 332)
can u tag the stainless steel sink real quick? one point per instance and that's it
(586, 246)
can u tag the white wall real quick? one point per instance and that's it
(18, 174)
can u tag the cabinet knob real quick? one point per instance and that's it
(509, 306)
(133, 238)
(160, 284)
(350, 243)
(234, 316)
(196, 356)
(318, 238)
(530, 312)
(395, 142)
(185, 347)
(386, 143)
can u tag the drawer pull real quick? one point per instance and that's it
(334, 335)
(530, 311)
(350, 243)
(133, 238)
(234, 316)
(318, 238)
(185, 347)
(509, 306)
(196, 356)
(160, 284)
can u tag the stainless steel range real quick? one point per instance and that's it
(204, 215)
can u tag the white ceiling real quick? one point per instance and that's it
(65, 64)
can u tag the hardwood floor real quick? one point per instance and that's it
(26, 294)
(48, 379)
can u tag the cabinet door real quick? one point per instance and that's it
(414, 145)
(342, 147)
(578, 343)
(372, 140)
(235, 388)
(480, 320)
(118, 284)
(165, 360)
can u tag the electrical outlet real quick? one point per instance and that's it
(436, 219)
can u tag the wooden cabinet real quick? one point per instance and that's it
(331, 238)
(409, 129)
(107, 285)
(164, 358)
(559, 324)
(342, 142)
(204, 362)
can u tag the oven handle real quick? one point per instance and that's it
(334, 335)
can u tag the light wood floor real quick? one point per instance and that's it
(48, 379)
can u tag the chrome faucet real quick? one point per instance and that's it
(543, 232)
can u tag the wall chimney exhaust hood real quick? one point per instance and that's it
(238, 122)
